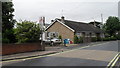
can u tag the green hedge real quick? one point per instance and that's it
(5, 40)
(113, 38)
(93, 39)
(106, 39)
(109, 38)
(99, 39)
(80, 40)
(118, 36)
(76, 39)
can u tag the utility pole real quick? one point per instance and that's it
(42, 28)
(101, 21)
(119, 9)
(94, 22)
(0, 17)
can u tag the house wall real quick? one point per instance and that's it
(87, 36)
(62, 30)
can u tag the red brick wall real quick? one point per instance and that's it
(18, 48)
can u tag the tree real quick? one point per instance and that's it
(112, 25)
(7, 22)
(27, 31)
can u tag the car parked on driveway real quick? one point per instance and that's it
(52, 41)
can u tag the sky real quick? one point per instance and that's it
(76, 10)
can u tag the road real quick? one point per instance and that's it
(96, 55)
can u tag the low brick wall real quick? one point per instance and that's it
(18, 48)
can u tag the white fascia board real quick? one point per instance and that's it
(50, 25)
(66, 26)
(60, 23)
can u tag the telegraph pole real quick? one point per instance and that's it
(101, 21)
(42, 27)
(119, 9)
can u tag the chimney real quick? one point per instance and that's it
(94, 24)
(52, 21)
(62, 19)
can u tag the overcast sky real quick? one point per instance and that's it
(76, 10)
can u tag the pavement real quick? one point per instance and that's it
(49, 50)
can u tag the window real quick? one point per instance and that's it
(53, 34)
(78, 34)
(48, 34)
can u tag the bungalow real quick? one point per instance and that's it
(68, 29)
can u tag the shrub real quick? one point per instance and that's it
(99, 38)
(76, 39)
(93, 39)
(113, 38)
(118, 36)
(60, 37)
(5, 40)
(109, 38)
(80, 40)
(106, 39)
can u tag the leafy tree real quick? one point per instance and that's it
(112, 25)
(27, 31)
(7, 22)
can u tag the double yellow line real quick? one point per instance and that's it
(113, 61)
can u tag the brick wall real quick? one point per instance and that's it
(62, 30)
(18, 48)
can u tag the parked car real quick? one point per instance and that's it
(52, 41)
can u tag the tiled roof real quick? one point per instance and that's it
(82, 27)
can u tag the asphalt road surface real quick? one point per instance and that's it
(97, 55)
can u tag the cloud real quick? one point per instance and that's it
(72, 9)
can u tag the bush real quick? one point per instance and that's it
(109, 38)
(80, 40)
(99, 38)
(5, 40)
(76, 39)
(113, 38)
(118, 36)
(60, 37)
(93, 39)
(106, 39)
